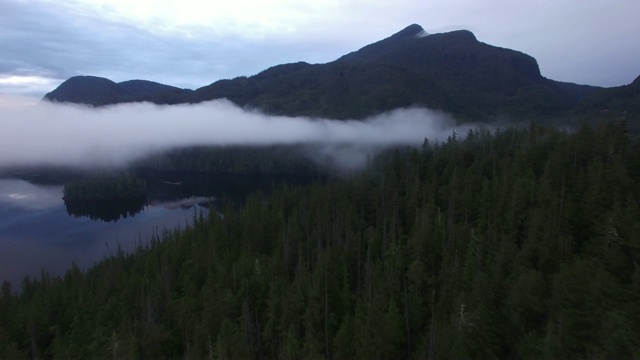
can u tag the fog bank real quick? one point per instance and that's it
(71, 135)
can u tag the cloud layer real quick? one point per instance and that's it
(71, 135)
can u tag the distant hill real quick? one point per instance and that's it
(334, 90)
(450, 71)
(144, 90)
(90, 90)
(97, 91)
(620, 101)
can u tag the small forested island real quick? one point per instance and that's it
(513, 243)
(269, 160)
(105, 186)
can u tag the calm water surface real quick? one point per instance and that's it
(36, 231)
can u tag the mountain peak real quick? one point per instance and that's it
(410, 31)
(91, 90)
(412, 36)
(451, 71)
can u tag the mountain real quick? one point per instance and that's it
(450, 71)
(144, 90)
(90, 90)
(333, 90)
(97, 91)
(620, 101)
(478, 78)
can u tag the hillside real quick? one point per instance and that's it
(617, 102)
(90, 90)
(333, 90)
(97, 91)
(144, 90)
(450, 71)
(479, 79)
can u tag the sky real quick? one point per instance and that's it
(189, 44)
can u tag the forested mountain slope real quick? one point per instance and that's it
(97, 91)
(450, 71)
(616, 103)
(518, 244)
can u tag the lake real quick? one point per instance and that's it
(37, 231)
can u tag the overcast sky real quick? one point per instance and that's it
(190, 44)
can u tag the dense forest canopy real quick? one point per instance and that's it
(518, 243)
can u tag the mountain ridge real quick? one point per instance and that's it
(99, 91)
(450, 71)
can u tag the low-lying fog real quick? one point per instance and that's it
(72, 135)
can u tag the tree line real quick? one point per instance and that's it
(105, 186)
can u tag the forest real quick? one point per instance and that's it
(269, 160)
(105, 186)
(508, 243)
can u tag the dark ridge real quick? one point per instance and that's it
(144, 90)
(97, 91)
(577, 92)
(616, 103)
(450, 71)
(89, 90)
(147, 88)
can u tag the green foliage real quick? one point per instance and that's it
(513, 244)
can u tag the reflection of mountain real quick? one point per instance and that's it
(106, 210)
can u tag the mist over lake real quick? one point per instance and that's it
(73, 135)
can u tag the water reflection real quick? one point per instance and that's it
(186, 203)
(37, 231)
(112, 210)
(20, 194)
(106, 210)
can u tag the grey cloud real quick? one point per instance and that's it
(47, 40)
(68, 44)
(573, 41)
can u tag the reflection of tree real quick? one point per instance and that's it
(106, 210)
(221, 186)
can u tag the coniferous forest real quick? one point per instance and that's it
(513, 243)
